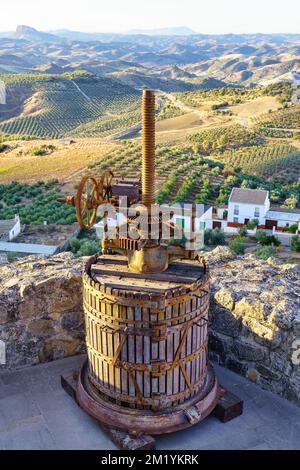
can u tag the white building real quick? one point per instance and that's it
(245, 205)
(10, 229)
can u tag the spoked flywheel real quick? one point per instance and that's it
(87, 200)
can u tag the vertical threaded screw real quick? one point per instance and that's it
(148, 154)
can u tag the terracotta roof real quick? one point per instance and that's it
(248, 196)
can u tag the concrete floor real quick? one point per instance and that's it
(35, 413)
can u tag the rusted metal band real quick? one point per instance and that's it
(156, 402)
(111, 320)
(202, 282)
(161, 366)
(155, 305)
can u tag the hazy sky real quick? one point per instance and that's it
(206, 16)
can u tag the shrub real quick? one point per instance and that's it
(214, 236)
(3, 147)
(74, 245)
(252, 224)
(260, 235)
(228, 171)
(177, 241)
(88, 248)
(295, 245)
(38, 151)
(242, 231)
(237, 245)
(265, 252)
(271, 240)
(292, 229)
(291, 202)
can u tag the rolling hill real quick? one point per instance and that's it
(54, 105)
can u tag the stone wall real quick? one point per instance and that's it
(41, 309)
(254, 319)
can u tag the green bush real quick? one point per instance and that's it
(88, 248)
(214, 236)
(252, 224)
(38, 151)
(292, 229)
(3, 147)
(242, 231)
(74, 245)
(260, 235)
(271, 240)
(295, 245)
(237, 245)
(265, 252)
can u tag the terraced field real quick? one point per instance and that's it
(282, 123)
(56, 105)
(281, 160)
(234, 95)
(183, 175)
(224, 138)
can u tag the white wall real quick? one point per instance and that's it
(247, 211)
(14, 232)
(204, 218)
(284, 218)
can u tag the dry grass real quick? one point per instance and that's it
(255, 107)
(185, 121)
(21, 165)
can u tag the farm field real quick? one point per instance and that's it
(52, 106)
(256, 107)
(282, 123)
(207, 142)
(272, 160)
(186, 121)
(182, 175)
(217, 108)
(20, 162)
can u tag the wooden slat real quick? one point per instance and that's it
(104, 351)
(188, 345)
(124, 373)
(135, 288)
(124, 295)
(131, 351)
(170, 354)
(194, 342)
(116, 342)
(110, 351)
(139, 351)
(147, 355)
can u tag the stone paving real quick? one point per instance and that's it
(35, 413)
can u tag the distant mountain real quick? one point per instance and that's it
(175, 31)
(31, 34)
(167, 58)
